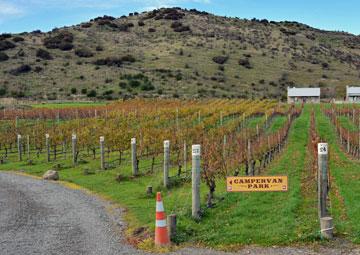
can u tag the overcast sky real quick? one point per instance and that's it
(28, 15)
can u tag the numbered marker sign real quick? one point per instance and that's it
(102, 138)
(47, 135)
(322, 148)
(73, 136)
(196, 150)
(167, 143)
(133, 140)
(19, 136)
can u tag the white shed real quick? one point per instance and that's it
(303, 95)
(352, 94)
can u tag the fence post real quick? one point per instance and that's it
(73, 147)
(102, 153)
(47, 143)
(19, 147)
(185, 157)
(171, 224)
(166, 162)
(322, 178)
(199, 117)
(221, 118)
(135, 168)
(224, 146)
(266, 120)
(196, 152)
(28, 146)
(348, 142)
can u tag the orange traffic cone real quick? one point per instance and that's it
(161, 232)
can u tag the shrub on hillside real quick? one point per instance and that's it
(99, 48)
(38, 69)
(92, 93)
(44, 54)
(18, 39)
(176, 24)
(105, 17)
(141, 23)
(220, 59)
(245, 63)
(5, 36)
(86, 25)
(151, 30)
(182, 29)
(128, 58)
(66, 46)
(20, 70)
(3, 56)
(62, 40)
(5, 45)
(147, 86)
(109, 61)
(84, 53)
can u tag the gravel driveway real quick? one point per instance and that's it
(40, 217)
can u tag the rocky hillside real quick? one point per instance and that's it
(176, 53)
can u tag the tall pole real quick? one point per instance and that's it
(73, 147)
(196, 152)
(28, 146)
(185, 157)
(102, 153)
(19, 147)
(322, 178)
(135, 168)
(166, 162)
(47, 143)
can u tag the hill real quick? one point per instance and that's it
(172, 52)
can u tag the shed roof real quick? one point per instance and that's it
(303, 92)
(353, 90)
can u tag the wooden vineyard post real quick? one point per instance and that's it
(251, 166)
(348, 142)
(102, 153)
(359, 139)
(185, 157)
(322, 178)
(19, 147)
(47, 143)
(166, 162)
(28, 146)
(340, 131)
(221, 118)
(135, 169)
(199, 117)
(279, 141)
(64, 149)
(73, 148)
(195, 209)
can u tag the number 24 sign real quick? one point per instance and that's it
(322, 148)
